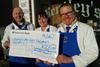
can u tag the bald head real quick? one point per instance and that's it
(17, 14)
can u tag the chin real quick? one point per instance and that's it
(18, 20)
(67, 23)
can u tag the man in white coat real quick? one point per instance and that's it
(79, 43)
(18, 23)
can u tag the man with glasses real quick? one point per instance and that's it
(78, 46)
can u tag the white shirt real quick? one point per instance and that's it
(51, 29)
(9, 28)
(86, 42)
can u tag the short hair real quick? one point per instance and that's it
(67, 4)
(18, 8)
(70, 5)
(43, 14)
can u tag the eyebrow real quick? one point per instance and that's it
(66, 13)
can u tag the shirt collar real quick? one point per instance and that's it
(73, 25)
(45, 28)
(16, 27)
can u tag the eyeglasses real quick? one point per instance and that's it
(67, 14)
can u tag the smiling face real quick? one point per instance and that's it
(67, 15)
(17, 14)
(43, 21)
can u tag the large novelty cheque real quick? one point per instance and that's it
(33, 44)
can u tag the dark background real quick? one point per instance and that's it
(5, 12)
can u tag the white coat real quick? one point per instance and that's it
(86, 42)
(51, 28)
(9, 28)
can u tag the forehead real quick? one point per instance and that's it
(65, 9)
(41, 16)
(17, 9)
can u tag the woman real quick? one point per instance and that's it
(44, 27)
(44, 23)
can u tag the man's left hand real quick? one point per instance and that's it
(64, 59)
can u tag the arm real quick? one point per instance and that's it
(88, 47)
(64, 59)
(5, 40)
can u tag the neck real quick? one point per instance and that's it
(43, 28)
(21, 23)
(74, 21)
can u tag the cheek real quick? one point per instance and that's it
(64, 18)
(14, 16)
(41, 24)
(18, 15)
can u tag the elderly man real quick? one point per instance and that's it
(18, 23)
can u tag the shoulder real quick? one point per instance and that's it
(30, 26)
(9, 26)
(61, 27)
(84, 29)
(84, 26)
(38, 29)
(53, 28)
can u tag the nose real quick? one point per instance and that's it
(66, 17)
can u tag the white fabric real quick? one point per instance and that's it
(51, 28)
(9, 28)
(86, 42)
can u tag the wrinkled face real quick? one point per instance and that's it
(17, 14)
(43, 21)
(67, 15)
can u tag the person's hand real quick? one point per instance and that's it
(7, 44)
(46, 62)
(38, 60)
(64, 59)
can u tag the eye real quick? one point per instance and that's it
(67, 14)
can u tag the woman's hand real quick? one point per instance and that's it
(38, 60)
(64, 59)
(46, 62)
